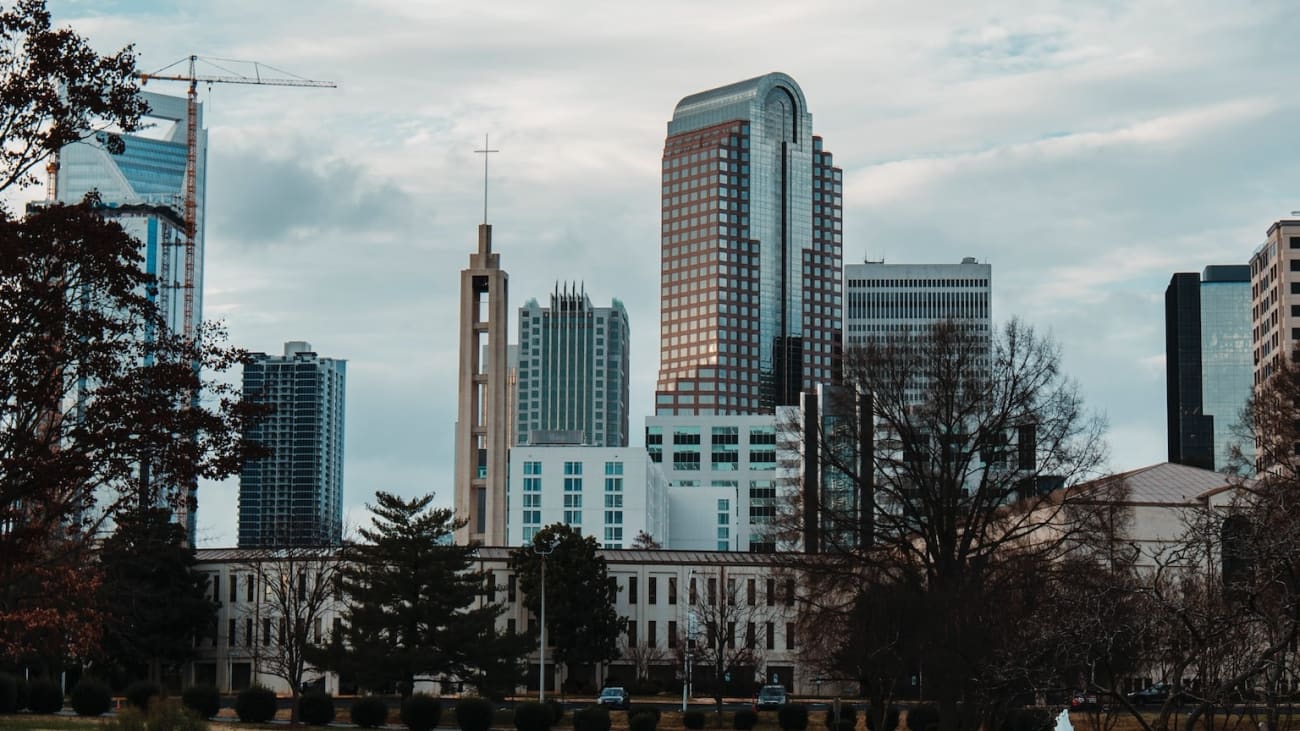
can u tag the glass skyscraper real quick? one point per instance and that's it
(1208, 362)
(751, 252)
(294, 495)
(572, 383)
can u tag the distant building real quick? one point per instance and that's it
(1208, 363)
(893, 302)
(1275, 298)
(572, 377)
(294, 496)
(483, 390)
(751, 252)
(610, 493)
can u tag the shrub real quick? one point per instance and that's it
(255, 704)
(369, 712)
(693, 719)
(923, 717)
(421, 712)
(638, 709)
(204, 700)
(643, 720)
(557, 710)
(848, 719)
(23, 698)
(162, 716)
(532, 716)
(316, 708)
(792, 717)
(744, 720)
(91, 698)
(891, 719)
(1028, 719)
(8, 693)
(44, 696)
(592, 718)
(140, 692)
(474, 714)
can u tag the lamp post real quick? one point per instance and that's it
(541, 643)
(690, 635)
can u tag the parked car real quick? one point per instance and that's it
(1081, 700)
(1154, 693)
(615, 697)
(770, 697)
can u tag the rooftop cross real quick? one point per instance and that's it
(485, 152)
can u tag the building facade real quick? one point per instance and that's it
(483, 390)
(723, 488)
(294, 495)
(892, 302)
(611, 493)
(572, 378)
(1208, 362)
(1275, 298)
(750, 252)
(143, 187)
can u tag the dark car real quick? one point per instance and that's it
(615, 697)
(770, 698)
(1154, 693)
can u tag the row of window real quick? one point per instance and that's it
(712, 636)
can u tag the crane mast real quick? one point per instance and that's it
(192, 153)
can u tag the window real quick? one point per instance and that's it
(789, 592)
(650, 633)
(652, 590)
(750, 632)
(230, 629)
(694, 596)
(512, 586)
(532, 468)
(573, 468)
(672, 589)
(613, 468)
(248, 632)
(771, 592)
(248, 589)
(731, 635)
(631, 590)
(266, 632)
(789, 635)
(771, 636)
(631, 634)
(234, 589)
(750, 592)
(672, 634)
(713, 591)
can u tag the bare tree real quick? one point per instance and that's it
(726, 631)
(935, 478)
(643, 656)
(296, 596)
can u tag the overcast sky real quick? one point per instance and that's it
(1087, 150)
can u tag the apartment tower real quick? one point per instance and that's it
(483, 418)
(1208, 365)
(1275, 298)
(750, 252)
(572, 377)
(294, 495)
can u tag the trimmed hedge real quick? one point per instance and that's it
(91, 698)
(792, 717)
(923, 717)
(848, 718)
(316, 708)
(204, 700)
(141, 692)
(44, 696)
(639, 708)
(745, 719)
(369, 712)
(474, 714)
(421, 712)
(592, 718)
(255, 704)
(693, 719)
(557, 710)
(8, 693)
(643, 720)
(532, 716)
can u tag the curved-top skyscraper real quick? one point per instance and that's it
(751, 252)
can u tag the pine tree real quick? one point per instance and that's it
(417, 607)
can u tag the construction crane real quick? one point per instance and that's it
(192, 145)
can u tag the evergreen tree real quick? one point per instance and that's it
(417, 606)
(580, 614)
(155, 604)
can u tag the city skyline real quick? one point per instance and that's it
(1087, 153)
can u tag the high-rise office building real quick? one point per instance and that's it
(750, 252)
(483, 413)
(294, 495)
(893, 302)
(572, 378)
(1275, 298)
(143, 188)
(1208, 365)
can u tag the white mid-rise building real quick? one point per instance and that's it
(612, 493)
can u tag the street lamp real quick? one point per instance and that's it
(690, 634)
(543, 550)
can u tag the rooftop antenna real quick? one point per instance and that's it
(485, 152)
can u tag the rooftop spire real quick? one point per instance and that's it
(485, 152)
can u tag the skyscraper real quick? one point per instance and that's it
(751, 252)
(143, 188)
(294, 496)
(483, 415)
(573, 372)
(1275, 298)
(1207, 362)
(891, 302)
